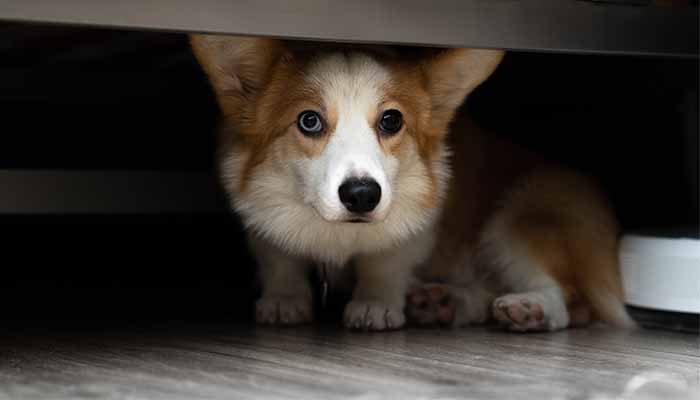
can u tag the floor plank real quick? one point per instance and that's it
(233, 360)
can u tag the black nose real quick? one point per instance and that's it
(360, 195)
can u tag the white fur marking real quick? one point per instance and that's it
(352, 86)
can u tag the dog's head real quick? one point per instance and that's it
(326, 136)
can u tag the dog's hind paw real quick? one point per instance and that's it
(431, 304)
(520, 313)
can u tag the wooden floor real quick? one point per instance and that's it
(239, 361)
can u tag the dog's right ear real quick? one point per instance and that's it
(455, 73)
(237, 66)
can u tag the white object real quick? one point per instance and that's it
(661, 273)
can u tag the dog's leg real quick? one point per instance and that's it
(448, 305)
(383, 280)
(554, 246)
(286, 291)
(379, 296)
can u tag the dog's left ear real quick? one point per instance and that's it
(237, 66)
(454, 73)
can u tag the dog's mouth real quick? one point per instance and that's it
(358, 220)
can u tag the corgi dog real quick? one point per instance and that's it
(358, 155)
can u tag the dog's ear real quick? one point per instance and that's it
(453, 74)
(237, 66)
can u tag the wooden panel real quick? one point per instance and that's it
(547, 25)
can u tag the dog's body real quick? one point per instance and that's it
(339, 154)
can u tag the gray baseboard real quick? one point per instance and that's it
(108, 192)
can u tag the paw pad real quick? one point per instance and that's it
(519, 314)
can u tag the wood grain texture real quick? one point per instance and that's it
(242, 361)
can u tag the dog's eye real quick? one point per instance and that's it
(391, 121)
(310, 123)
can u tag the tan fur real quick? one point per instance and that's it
(430, 97)
(270, 85)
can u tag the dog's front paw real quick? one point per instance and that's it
(283, 310)
(431, 304)
(373, 315)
